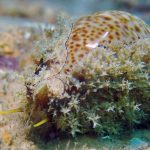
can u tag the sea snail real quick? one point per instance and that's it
(108, 29)
(105, 29)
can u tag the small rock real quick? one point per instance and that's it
(7, 138)
(137, 144)
(148, 148)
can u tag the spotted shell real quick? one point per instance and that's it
(106, 29)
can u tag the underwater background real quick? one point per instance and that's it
(25, 29)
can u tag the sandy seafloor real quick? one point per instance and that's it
(96, 143)
(28, 20)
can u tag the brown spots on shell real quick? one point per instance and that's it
(99, 32)
(84, 31)
(66, 70)
(88, 36)
(132, 18)
(137, 29)
(81, 55)
(96, 21)
(76, 49)
(84, 42)
(103, 41)
(73, 60)
(116, 22)
(133, 38)
(92, 39)
(106, 18)
(124, 20)
(97, 36)
(110, 37)
(88, 19)
(117, 33)
(147, 58)
(126, 32)
(84, 35)
(104, 22)
(76, 37)
(78, 45)
(70, 65)
(126, 27)
(86, 50)
(109, 41)
(131, 28)
(71, 46)
(76, 30)
(111, 26)
(118, 26)
(91, 34)
(93, 31)
(102, 30)
(71, 42)
(71, 54)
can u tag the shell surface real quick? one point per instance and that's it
(107, 29)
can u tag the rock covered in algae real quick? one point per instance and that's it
(136, 144)
(104, 92)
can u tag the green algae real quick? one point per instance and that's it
(106, 95)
